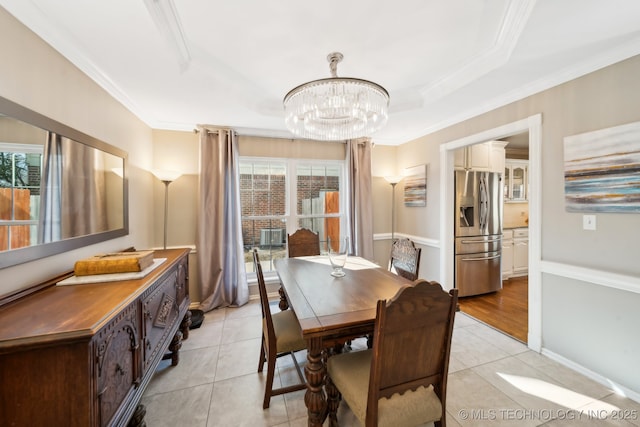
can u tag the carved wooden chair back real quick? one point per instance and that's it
(410, 356)
(281, 336)
(412, 343)
(405, 259)
(303, 242)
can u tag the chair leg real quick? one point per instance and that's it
(333, 402)
(370, 341)
(262, 355)
(268, 387)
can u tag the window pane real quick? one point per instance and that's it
(262, 189)
(6, 196)
(4, 237)
(318, 192)
(318, 189)
(6, 169)
(325, 227)
(263, 205)
(268, 236)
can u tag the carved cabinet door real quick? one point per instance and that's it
(118, 363)
(160, 309)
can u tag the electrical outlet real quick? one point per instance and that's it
(588, 222)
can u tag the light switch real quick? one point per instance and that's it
(588, 222)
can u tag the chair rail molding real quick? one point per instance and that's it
(593, 276)
(424, 241)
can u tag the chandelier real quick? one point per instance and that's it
(336, 108)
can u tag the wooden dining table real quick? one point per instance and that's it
(332, 310)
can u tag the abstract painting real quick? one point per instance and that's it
(415, 186)
(602, 170)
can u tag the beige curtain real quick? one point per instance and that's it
(221, 267)
(359, 201)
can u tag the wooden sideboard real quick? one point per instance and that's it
(82, 355)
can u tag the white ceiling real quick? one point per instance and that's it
(442, 61)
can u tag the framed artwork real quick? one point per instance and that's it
(601, 170)
(415, 186)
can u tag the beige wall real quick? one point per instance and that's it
(178, 151)
(255, 146)
(35, 76)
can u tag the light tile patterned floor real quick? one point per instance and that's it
(493, 381)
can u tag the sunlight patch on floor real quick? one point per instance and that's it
(559, 395)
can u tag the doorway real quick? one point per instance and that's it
(532, 125)
(507, 308)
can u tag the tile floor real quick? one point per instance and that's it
(493, 381)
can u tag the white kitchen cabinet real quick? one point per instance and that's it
(515, 252)
(497, 156)
(507, 254)
(516, 180)
(520, 251)
(487, 157)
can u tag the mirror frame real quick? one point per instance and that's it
(22, 255)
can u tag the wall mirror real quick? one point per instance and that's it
(60, 189)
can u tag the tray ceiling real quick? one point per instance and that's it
(441, 61)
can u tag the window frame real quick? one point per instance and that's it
(291, 216)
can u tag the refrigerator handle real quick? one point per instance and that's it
(481, 259)
(484, 208)
(493, 240)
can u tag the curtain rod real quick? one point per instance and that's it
(213, 129)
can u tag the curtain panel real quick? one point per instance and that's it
(359, 197)
(221, 266)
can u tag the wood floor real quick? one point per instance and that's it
(505, 310)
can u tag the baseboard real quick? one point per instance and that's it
(617, 388)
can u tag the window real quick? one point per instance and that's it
(278, 196)
(20, 172)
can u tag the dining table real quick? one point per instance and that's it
(331, 311)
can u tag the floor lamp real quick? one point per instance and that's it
(167, 177)
(393, 180)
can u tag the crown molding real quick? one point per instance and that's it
(613, 56)
(498, 54)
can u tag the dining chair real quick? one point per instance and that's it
(405, 259)
(281, 336)
(403, 379)
(303, 242)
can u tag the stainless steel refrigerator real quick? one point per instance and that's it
(478, 232)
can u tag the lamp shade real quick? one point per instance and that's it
(393, 179)
(166, 175)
